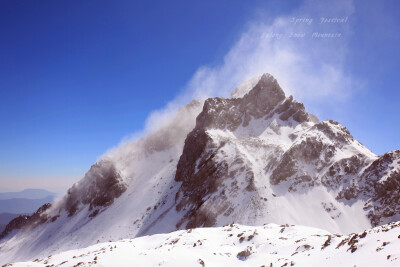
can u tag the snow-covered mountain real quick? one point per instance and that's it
(256, 157)
(238, 245)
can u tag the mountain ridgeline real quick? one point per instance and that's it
(256, 157)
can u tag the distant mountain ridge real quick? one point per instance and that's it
(29, 193)
(23, 205)
(26, 202)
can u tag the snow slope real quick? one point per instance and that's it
(144, 169)
(238, 245)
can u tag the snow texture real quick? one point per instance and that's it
(238, 245)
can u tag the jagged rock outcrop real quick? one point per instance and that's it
(383, 177)
(197, 169)
(98, 189)
(100, 186)
(24, 221)
(317, 154)
(376, 182)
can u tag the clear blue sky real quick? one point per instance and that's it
(78, 76)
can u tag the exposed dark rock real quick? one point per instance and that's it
(25, 220)
(385, 182)
(378, 182)
(291, 108)
(224, 113)
(308, 163)
(100, 186)
(202, 262)
(309, 151)
(341, 136)
(16, 223)
(195, 185)
(327, 242)
(342, 169)
(199, 173)
(243, 255)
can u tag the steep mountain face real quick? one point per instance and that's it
(100, 186)
(254, 158)
(247, 156)
(379, 185)
(23, 205)
(214, 167)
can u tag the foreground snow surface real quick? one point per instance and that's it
(238, 245)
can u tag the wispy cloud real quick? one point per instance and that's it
(306, 56)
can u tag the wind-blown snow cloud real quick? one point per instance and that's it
(306, 56)
(305, 50)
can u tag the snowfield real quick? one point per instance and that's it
(238, 245)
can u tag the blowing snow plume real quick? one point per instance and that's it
(285, 46)
(293, 49)
(290, 48)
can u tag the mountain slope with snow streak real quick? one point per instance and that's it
(257, 157)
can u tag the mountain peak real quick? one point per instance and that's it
(265, 81)
(266, 94)
(260, 97)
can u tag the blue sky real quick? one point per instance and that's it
(76, 77)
